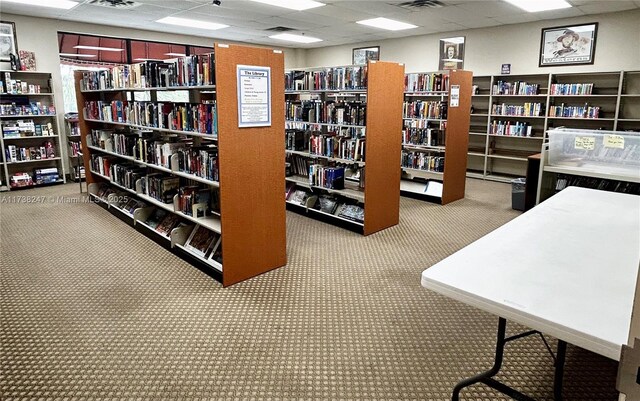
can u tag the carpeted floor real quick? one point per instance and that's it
(93, 310)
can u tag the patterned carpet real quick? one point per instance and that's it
(93, 310)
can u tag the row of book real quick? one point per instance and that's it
(425, 123)
(17, 87)
(191, 117)
(340, 130)
(571, 89)
(32, 109)
(201, 241)
(301, 165)
(326, 176)
(422, 161)
(15, 153)
(196, 70)
(564, 181)
(39, 176)
(75, 148)
(515, 88)
(201, 161)
(426, 82)
(425, 109)
(334, 78)
(329, 145)
(510, 128)
(326, 203)
(326, 112)
(585, 111)
(25, 129)
(423, 137)
(527, 109)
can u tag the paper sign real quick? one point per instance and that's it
(454, 100)
(613, 141)
(585, 142)
(254, 96)
(506, 69)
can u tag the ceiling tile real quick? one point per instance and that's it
(603, 7)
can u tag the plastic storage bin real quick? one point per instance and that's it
(611, 152)
(517, 193)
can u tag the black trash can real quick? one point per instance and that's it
(517, 194)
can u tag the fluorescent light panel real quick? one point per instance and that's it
(192, 23)
(106, 49)
(146, 59)
(175, 54)
(386, 23)
(63, 4)
(295, 38)
(78, 55)
(298, 5)
(534, 6)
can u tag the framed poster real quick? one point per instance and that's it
(451, 53)
(8, 40)
(568, 45)
(361, 55)
(254, 96)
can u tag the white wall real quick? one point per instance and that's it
(617, 47)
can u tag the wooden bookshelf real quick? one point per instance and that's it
(616, 94)
(33, 140)
(251, 219)
(381, 195)
(456, 138)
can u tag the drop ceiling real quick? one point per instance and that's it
(334, 23)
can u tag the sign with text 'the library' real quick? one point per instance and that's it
(254, 96)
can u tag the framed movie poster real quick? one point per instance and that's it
(451, 53)
(8, 40)
(568, 45)
(361, 55)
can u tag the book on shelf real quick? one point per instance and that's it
(527, 109)
(571, 89)
(423, 136)
(194, 70)
(511, 128)
(168, 223)
(515, 88)
(25, 129)
(426, 82)
(216, 251)
(425, 109)
(585, 111)
(423, 160)
(18, 87)
(156, 216)
(201, 241)
(326, 177)
(46, 150)
(564, 180)
(30, 109)
(189, 117)
(46, 175)
(326, 112)
(332, 78)
(351, 212)
(27, 60)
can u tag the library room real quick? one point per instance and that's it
(320, 200)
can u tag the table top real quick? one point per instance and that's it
(567, 267)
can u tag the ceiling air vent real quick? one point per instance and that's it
(279, 29)
(118, 4)
(420, 4)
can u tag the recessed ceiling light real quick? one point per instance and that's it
(64, 4)
(295, 38)
(192, 23)
(175, 54)
(386, 23)
(297, 5)
(539, 5)
(106, 49)
(147, 59)
(78, 55)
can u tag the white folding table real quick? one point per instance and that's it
(566, 268)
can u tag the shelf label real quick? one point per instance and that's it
(454, 100)
(614, 141)
(254, 96)
(585, 142)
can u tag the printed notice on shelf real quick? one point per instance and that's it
(585, 142)
(455, 96)
(254, 96)
(613, 141)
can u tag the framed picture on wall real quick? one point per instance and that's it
(451, 53)
(361, 55)
(568, 45)
(8, 40)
